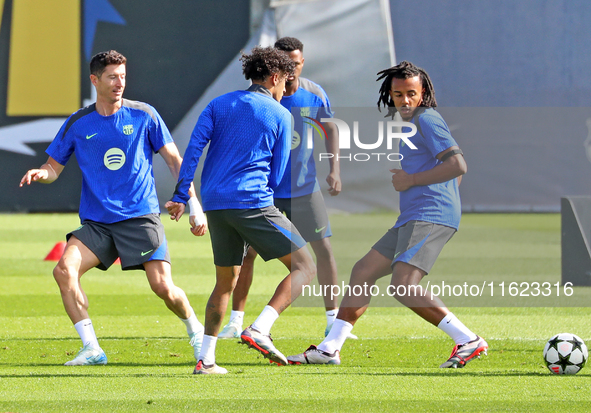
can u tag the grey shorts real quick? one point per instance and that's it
(417, 243)
(269, 232)
(308, 213)
(135, 241)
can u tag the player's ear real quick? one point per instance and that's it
(93, 79)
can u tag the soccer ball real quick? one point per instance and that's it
(565, 354)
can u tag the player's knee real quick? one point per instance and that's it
(226, 279)
(306, 266)
(361, 273)
(358, 271)
(233, 283)
(322, 249)
(406, 275)
(227, 284)
(324, 255)
(162, 290)
(63, 274)
(402, 282)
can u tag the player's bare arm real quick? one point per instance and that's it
(452, 167)
(332, 146)
(173, 159)
(46, 174)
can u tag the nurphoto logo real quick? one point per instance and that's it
(386, 131)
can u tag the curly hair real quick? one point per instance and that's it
(262, 62)
(289, 44)
(404, 70)
(101, 60)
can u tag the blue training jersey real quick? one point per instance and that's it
(249, 135)
(437, 203)
(309, 100)
(115, 156)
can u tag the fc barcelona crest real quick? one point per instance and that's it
(128, 129)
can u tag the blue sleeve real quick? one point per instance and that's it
(159, 135)
(281, 151)
(199, 139)
(437, 135)
(62, 146)
(325, 110)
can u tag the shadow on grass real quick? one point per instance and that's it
(109, 372)
(441, 373)
(102, 338)
(111, 365)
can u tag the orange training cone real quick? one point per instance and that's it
(57, 251)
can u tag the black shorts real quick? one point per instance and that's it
(269, 232)
(134, 240)
(417, 243)
(308, 213)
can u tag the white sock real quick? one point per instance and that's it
(237, 316)
(207, 354)
(86, 332)
(337, 336)
(331, 315)
(454, 328)
(193, 325)
(265, 321)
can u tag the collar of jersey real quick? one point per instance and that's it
(259, 89)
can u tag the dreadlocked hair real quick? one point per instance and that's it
(404, 70)
(262, 62)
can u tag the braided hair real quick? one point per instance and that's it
(404, 70)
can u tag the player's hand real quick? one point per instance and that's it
(334, 183)
(33, 175)
(175, 210)
(401, 180)
(197, 230)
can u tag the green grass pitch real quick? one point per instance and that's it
(394, 364)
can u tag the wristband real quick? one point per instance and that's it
(196, 211)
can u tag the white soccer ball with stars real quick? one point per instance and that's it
(565, 353)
